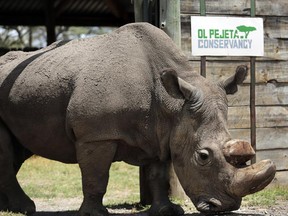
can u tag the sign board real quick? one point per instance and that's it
(227, 36)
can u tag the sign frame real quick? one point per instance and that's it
(227, 36)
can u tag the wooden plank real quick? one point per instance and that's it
(281, 178)
(266, 94)
(239, 7)
(265, 71)
(272, 138)
(266, 138)
(276, 27)
(278, 156)
(266, 117)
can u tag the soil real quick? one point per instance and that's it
(69, 207)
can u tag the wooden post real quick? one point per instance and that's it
(169, 21)
(252, 91)
(169, 12)
(50, 22)
(138, 10)
(203, 58)
(141, 15)
(145, 193)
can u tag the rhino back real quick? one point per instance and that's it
(123, 93)
(105, 87)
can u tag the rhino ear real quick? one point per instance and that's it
(230, 85)
(177, 87)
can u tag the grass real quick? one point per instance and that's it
(45, 179)
(267, 197)
(42, 178)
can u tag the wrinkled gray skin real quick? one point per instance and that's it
(132, 96)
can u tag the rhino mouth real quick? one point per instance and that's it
(209, 205)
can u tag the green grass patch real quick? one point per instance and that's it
(9, 214)
(267, 197)
(46, 179)
(123, 186)
(42, 178)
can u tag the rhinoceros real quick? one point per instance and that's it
(131, 96)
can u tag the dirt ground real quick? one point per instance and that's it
(68, 207)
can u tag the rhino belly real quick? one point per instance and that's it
(47, 140)
(41, 129)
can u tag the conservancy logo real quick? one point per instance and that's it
(224, 36)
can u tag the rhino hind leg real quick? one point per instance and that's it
(12, 197)
(95, 159)
(159, 187)
(3, 202)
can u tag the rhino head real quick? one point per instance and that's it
(210, 165)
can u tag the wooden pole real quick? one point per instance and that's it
(252, 92)
(50, 22)
(168, 21)
(169, 13)
(169, 18)
(141, 15)
(138, 10)
(203, 58)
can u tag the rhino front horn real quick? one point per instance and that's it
(252, 178)
(238, 152)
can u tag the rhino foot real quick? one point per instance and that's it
(22, 205)
(166, 209)
(93, 211)
(3, 203)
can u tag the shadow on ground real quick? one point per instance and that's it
(134, 210)
(75, 213)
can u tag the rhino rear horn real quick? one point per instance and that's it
(238, 152)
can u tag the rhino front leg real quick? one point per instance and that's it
(159, 187)
(95, 159)
(12, 197)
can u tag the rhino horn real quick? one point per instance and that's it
(253, 178)
(238, 152)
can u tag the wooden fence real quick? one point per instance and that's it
(271, 76)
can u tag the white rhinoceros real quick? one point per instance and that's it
(126, 96)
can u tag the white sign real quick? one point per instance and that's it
(227, 36)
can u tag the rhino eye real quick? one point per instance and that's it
(203, 157)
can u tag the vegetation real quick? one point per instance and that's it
(267, 197)
(42, 178)
(45, 179)
(19, 37)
